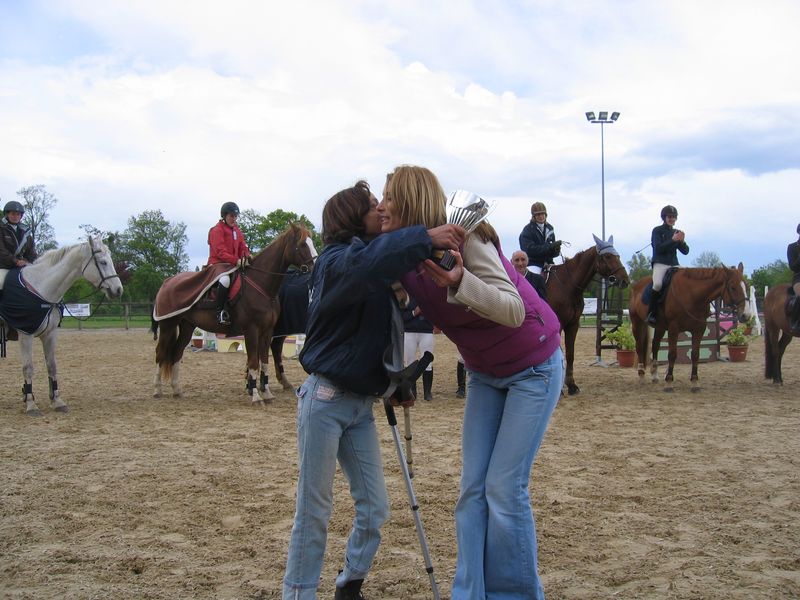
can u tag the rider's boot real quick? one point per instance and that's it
(461, 377)
(223, 318)
(652, 311)
(427, 384)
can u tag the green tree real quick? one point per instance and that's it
(639, 266)
(153, 249)
(708, 259)
(770, 275)
(259, 231)
(38, 202)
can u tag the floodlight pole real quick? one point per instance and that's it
(602, 119)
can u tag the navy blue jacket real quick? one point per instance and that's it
(412, 324)
(350, 310)
(665, 250)
(537, 246)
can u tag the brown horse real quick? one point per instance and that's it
(685, 307)
(777, 333)
(565, 285)
(254, 313)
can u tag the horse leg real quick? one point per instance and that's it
(640, 334)
(26, 350)
(263, 356)
(694, 379)
(658, 335)
(251, 342)
(786, 338)
(276, 345)
(569, 343)
(49, 346)
(672, 354)
(185, 330)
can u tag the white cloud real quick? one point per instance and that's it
(182, 106)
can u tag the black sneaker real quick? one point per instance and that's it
(350, 591)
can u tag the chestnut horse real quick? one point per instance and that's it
(777, 332)
(254, 312)
(685, 307)
(566, 283)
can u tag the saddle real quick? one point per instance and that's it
(792, 309)
(664, 286)
(183, 291)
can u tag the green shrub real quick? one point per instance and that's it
(622, 338)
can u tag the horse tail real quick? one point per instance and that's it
(154, 327)
(166, 348)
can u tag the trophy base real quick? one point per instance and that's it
(444, 258)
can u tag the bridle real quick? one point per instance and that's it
(612, 278)
(93, 258)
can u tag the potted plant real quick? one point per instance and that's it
(737, 341)
(623, 340)
(197, 337)
(748, 325)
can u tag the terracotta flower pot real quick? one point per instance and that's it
(626, 358)
(197, 342)
(737, 353)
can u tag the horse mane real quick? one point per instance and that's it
(702, 272)
(291, 230)
(55, 255)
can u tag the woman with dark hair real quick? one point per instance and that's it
(666, 241)
(349, 328)
(509, 338)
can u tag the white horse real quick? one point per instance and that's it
(48, 279)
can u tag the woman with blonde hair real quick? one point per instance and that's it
(509, 339)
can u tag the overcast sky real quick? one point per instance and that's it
(120, 107)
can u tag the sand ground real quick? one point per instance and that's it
(637, 493)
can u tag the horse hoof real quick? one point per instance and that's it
(669, 389)
(34, 413)
(62, 409)
(157, 395)
(573, 389)
(695, 389)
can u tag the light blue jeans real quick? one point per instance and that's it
(332, 424)
(504, 422)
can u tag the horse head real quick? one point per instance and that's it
(734, 292)
(609, 264)
(300, 252)
(99, 269)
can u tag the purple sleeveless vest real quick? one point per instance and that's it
(486, 346)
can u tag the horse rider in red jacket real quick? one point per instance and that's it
(226, 245)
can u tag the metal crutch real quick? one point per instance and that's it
(404, 379)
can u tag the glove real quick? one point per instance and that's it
(243, 262)
(557, 247)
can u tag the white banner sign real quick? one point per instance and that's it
(78, 310)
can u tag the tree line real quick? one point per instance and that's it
(151, 248)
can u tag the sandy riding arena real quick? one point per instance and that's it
(637, 493)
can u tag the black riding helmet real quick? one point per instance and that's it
(229, 208)
(13, 205)
(669, 210)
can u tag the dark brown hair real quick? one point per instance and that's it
(343, 214)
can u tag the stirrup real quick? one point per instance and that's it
(223, 318)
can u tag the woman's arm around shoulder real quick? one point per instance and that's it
(485, 286)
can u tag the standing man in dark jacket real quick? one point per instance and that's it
(793, 256)
(350, 318)
(666, 241)
(17, 247)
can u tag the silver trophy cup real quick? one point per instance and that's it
(467, 210)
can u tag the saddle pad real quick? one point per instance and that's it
(22, 308)
(179, 292)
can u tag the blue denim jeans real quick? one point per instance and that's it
(505, 419)
(332, 424)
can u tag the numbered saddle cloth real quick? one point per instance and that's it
(21, 307)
